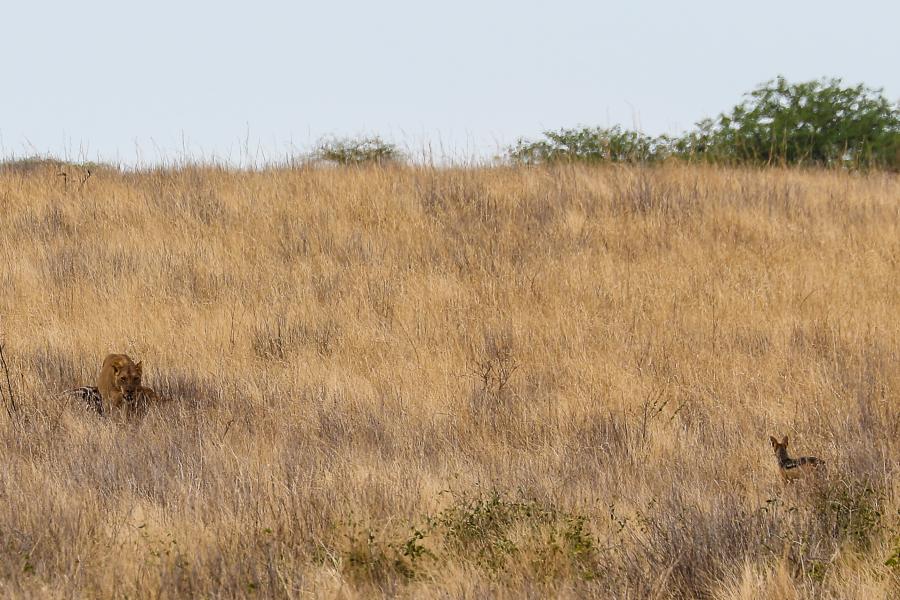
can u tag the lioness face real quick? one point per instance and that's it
(128, 380)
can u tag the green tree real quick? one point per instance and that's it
(818, 122)
(592, 145)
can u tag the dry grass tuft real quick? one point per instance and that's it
(461, 382)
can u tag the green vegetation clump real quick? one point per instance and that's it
(815, 123)
(508, 539)
(590, 145)
(818, 122)
(493, 534)
(36, 164)
(358, 151)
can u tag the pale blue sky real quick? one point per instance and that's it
(143, 81)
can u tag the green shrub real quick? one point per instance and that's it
(30, 164)
(850, 510)
(590, 145)
(817, 122)
(369, 558)
(492, 534)
(358, 151)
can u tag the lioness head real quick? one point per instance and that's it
(127, 379)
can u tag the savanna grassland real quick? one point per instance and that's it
(417, 382)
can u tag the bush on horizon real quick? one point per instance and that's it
(357, 151)
(817, 123)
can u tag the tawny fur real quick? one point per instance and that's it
(119, 382)
(793, 468)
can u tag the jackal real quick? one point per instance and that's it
(793, 468)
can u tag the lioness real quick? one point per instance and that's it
(119, 381)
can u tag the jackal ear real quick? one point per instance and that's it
(773, 440)
(139, 367)
(784, 441)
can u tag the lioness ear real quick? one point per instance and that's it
(773, 440)
(784, 441)
(139, 368)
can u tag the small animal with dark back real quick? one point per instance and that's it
(88, 396)
(794, 468)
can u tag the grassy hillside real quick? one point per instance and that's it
(405, 381)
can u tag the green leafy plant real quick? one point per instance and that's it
(590, 145)
(491, 533)
(850, 510)
(368, 557)
(819, 122)
(358, 151)
(894, 559)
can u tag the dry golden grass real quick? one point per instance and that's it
(455, 383)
